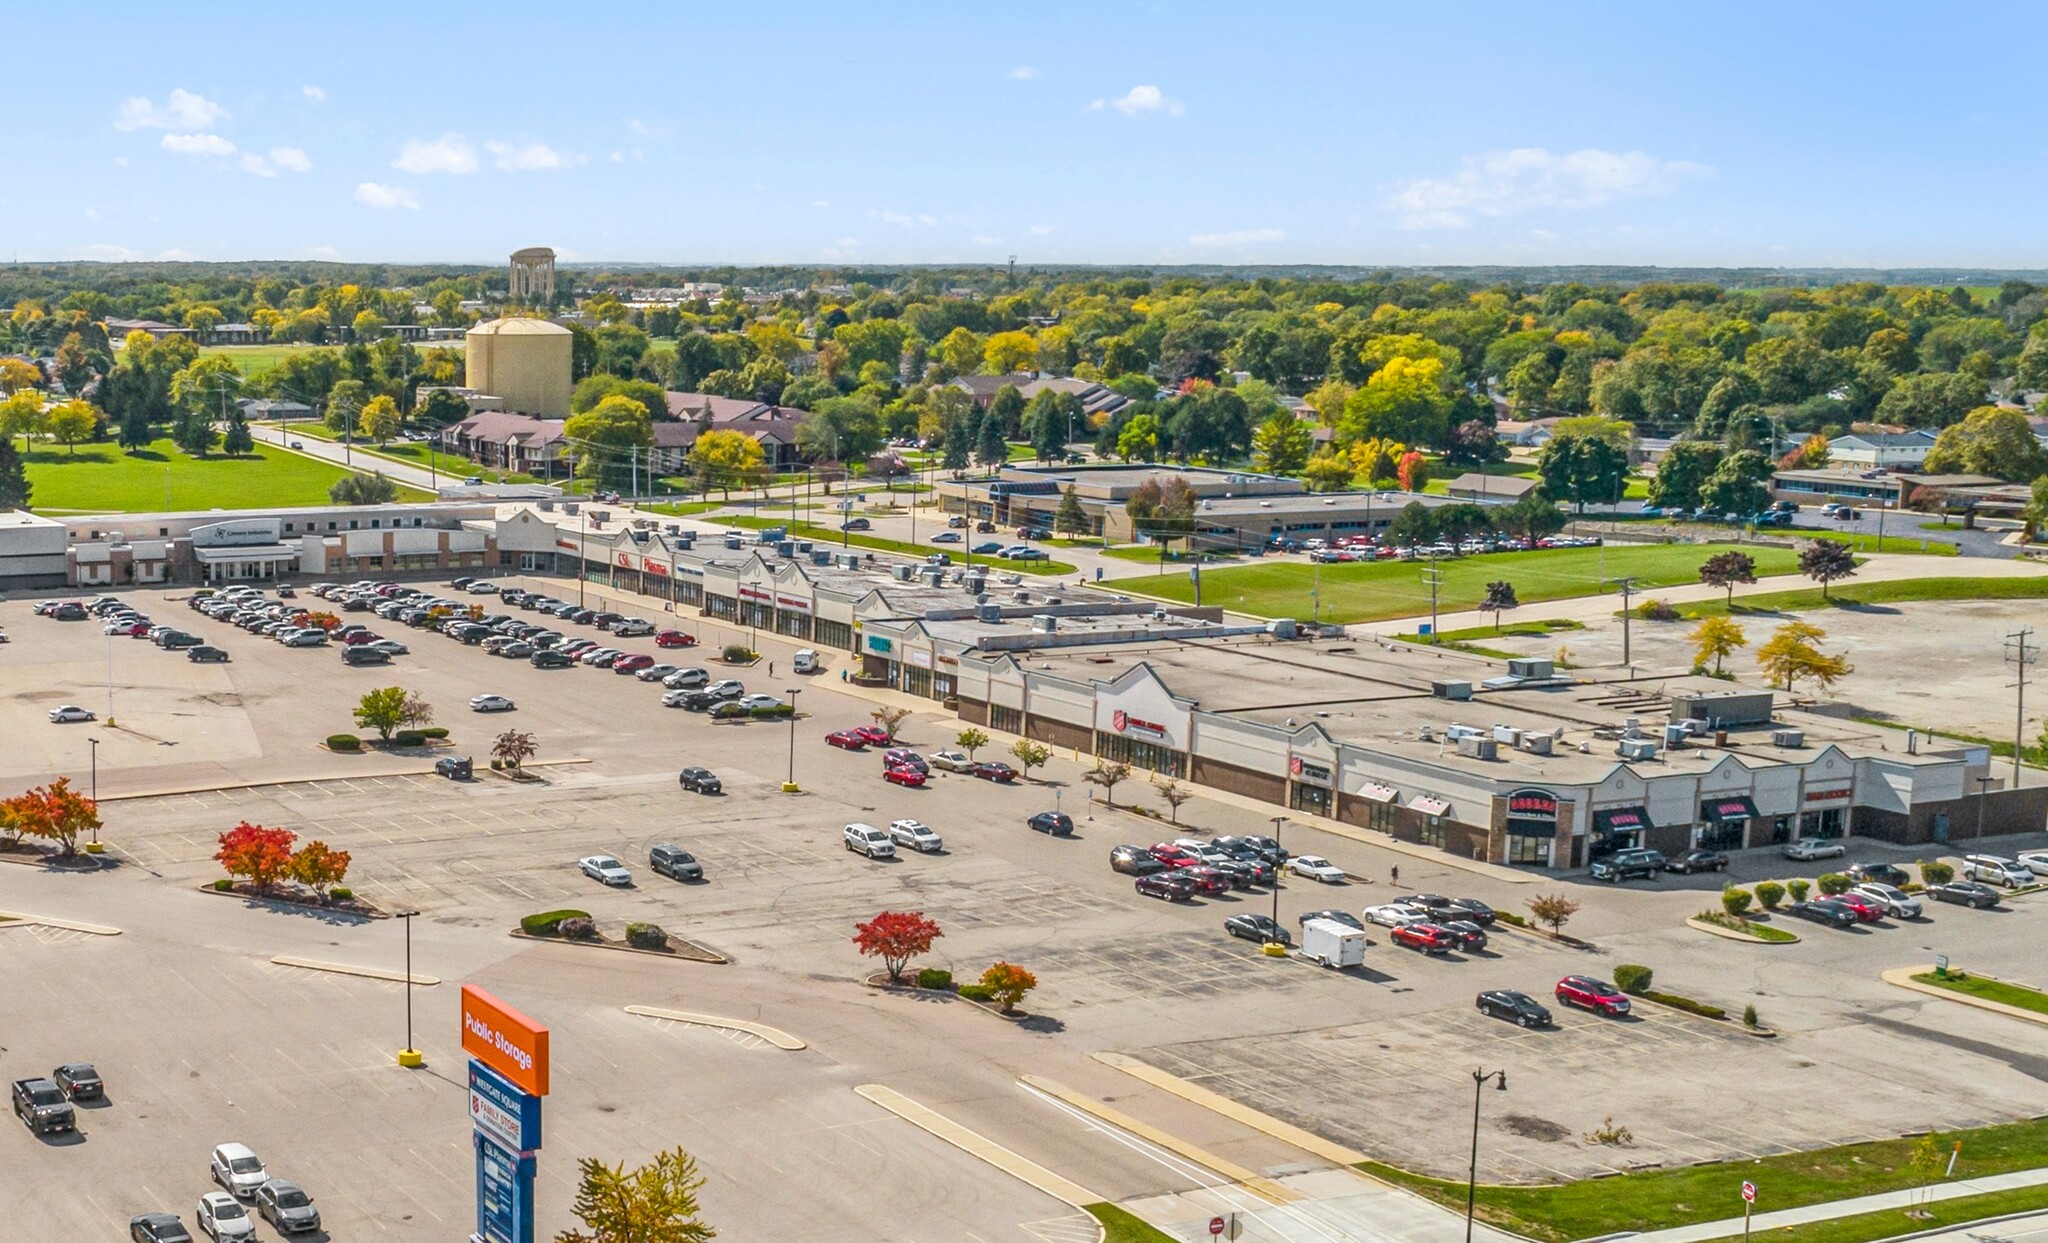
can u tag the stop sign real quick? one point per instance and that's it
(1215, 1225)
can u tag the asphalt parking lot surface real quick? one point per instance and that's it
(298, 1064)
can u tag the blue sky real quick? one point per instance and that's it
(1810, 134)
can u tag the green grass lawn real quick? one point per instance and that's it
(1359, 592)
(1149, 554)
(856, 539)
(256, 360)
(100, 478)
(2016, 995)
(1860, 542)
(1851, 593)
(682, 509)
(1120, 1227)
(415, 453)
(1653, 1199)
(1890, 1223)
(1736, 923)
(1474, 639)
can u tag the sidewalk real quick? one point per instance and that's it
(1834, 1209)
(340, 455)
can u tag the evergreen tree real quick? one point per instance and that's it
(991, 448)
(237, 440)
(136, 431)
(14, 484)
(193, 433)
(1008, 408)
(959, 442)
(1071, 519)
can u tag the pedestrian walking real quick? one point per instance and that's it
(1394, 874)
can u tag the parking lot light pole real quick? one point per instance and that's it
(1279, 867)
(789, 786)
(409, 1057)
(95, 743)
(1500, 1084)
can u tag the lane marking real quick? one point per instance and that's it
(9, 920)
(1307, 1141)
(368, 973)
(977, 1145)
(1260, 1186)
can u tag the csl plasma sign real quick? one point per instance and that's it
(508, 1074)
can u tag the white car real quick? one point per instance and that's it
(655, 673)
(390, 647)
(2035, 861)
(482, 589)
(1896, 902)
(69, 712)
(731, 688)
(751, 702)
(1315, 867)
(869, 840)
(1397, 915)
(677, 698)
(686, 679)
(490, 703)
(591, 655)
(223, 1219)
(1808, 848)
(606, 869)
(236, 1168)
(916, 835)
(950, 760)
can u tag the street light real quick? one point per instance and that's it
(789, 786)
(95, 743)
(408, 1057)
(1500, 1084)
(1279, 867)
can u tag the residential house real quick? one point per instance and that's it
(118, 329)
(1482, 487)
(1523, 433)
(1880, 450)
(503, 440)
(237, 334)
(774, 427)
(1095, 398)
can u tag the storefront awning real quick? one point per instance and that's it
(228, 553)
(1621, 819)
(1378, 793)
(1430, 805)
(1727, 808)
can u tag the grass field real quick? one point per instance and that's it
(1891, 1223)
(1474, 639)
(2018, 996)
(1120, 1227)
(414, 453)
(256, 360)
(1359, 592)
(1850, 594)
(1653, 1199)
(101, 479)
(854, 539)
(1860, 542)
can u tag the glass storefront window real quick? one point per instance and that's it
(1432, 832)
(1529, 850)
(1119, 749)
(1308, 798)
(1727, 835)
(1826, 823)
(1380, 816)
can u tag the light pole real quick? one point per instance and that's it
(95, 744)
(1983, 792)
(789, 786)
(1500, 1084)
(409, 1057)
(1278, 867)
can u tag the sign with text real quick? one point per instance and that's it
(505, 1040)
(501, 1111)
(1537, 803)
(1749, 1193)
(504, 1194)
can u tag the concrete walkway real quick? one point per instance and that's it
(343, 455)
(1835, 1209)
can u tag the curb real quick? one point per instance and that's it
(294, 903)
(368, 973)
(1731, 934)
(1902, 977)
(703, 954)
(773, 1035)
(1285, 1132)
(974, 1144)
(1264, 1188)
(8, 920)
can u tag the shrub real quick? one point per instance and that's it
(344, 742)
(408, 738)
(1656, 610)
(1686, 1004)
(548, 923)
(1833, 883)
(341, 893)
(1933, 872)
(771, 714)
(974, 992)
(435, 731)
(1798, 889)
(1736, 901)
(1770, 893)
(934, 977)
(1749, 1015)
(1632, 978)
(496, 765)
(1509, 917)
(739, 653)
(646, 937)
(578, 928)
(224, 884)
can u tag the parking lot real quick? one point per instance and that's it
(1376, 1058)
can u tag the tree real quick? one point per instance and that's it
(1282, 444)
(1328, 471)
(22, 415)
(1739, 485)
(1006, 984)
(1030, 754)
(1404, 400)
(1825, 560)
(1500, 597)
(1415, 525)
(1139, 441)
(235, 441)
(1585, 467)
(971, 740)
(1378, 459)
(379, 419)
(888, 719)
(193, 432)
(1934, 399)
(56, 812)
(440, 408)
(16, 375)
(1162, 513)
(1726, 569)
(371, 489)
(656, 1203)
(723, 458)
(896, 937)
(1811, 453)
(415, 711)
(608, 440)
(1107, 774)
(1681, 473)
(1716, 639)
(1791, 653)
(1006, 352)
(1173, 794)
(513, 748)
(990, 448)
(1070, 519)
(15, 488)
(134, 431)
(1554, 910)
(1413, 472)
(1007, 409)
(2036, 512)
(317, 867)
(71, 423)
(960, 430)
(261, 855)
(1989, 441)
(382, 710)
(1048, 420)
(1531, 516)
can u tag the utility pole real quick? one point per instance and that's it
(2021, 651)
(1628, 588)
(1434, 578)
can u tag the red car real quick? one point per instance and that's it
(903, 776)
(1207, 878)
(1866, 911)
(140, 630)
(995, 770)
(1428, 938)
(874, 734)
(850, 739)
(675, 638)
(1173, 856)
(632, 664)
(360, 637)
(1588, 993)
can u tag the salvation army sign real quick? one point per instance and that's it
(1123, 722)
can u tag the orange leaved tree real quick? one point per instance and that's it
(261, 854)
(896, 937)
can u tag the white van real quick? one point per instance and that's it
(1997, 869)
(806, 661)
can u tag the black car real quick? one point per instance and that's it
(158, 1228)
(1171, 886)
(1506, 1003)
(79, 1081)
(1470, 935)
(1260, 928)
(1880, 874)
(1697, 861)
(1825, 911)
(1964, 893)
(1134, 861)
(702, 780)
(205, 655)
(1342, 917)
(459, 583)
(674, 862)
(549, 658)
(455, 767)
(855, 524)
(1472, 910)
(1057, 823)
(1264, 847)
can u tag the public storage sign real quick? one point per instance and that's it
(505, 1040)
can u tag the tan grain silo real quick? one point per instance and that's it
(525, 361)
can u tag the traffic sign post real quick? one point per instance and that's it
(1748, 1202)
(1216, 1225)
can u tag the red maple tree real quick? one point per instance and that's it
(55, 811)
(896, 937)
(263, 855)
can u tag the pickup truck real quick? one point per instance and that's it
(41, 1106)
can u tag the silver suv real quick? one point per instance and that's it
(869, 840)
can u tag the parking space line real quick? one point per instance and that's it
(1308, 1142)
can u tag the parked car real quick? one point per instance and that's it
(550, 658)
(1134, 861)
(917, 835)
(701, 780)
(868, 840)
(654, 672)
(903, 775)
(490, 703)
(687, 679)
(876, 736)
(1396, 915)
(632, 662)
(1260, 928)
(42, 1106)
(952, 761)
(994, 770)
(2035, 861)
(1315, 867)
(365, 654)
(846, 739)
(674, 862)
(1964, 893)
(1628, 865)
(904, 757)
(1506, 1003)
(1428, 938)
(946, 537)
(1824, 911)
(69, 713)
(674, 638)
(632, 627)
(1896, 902)
(1588, 993)
(287, 1206)
(236, 1168)
(160, 1227)
(1807, 849)
(205, 654)
(1469, 936)
(1209, 881)
(605, 869)
(79, 1081)
(1881, 873)
(1866, 911)
(455, 767)
(1056, 823)
(1168, 886)
(1697, 861)
(1997, 870)
(222, 1218)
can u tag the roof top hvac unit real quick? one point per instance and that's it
(988, 613)
(1451, 690)
(903, 573)
(821, 556)
(1045, 621)
(1637, 748)
(1478, 748)
(1790, 738)
(1537, 744)
(1530, 667)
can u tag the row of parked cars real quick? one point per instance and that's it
(221, 1215)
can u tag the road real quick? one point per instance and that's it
(342, 455)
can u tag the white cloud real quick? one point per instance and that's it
(181, 109)
(1142, 99)
(529, 158)
(1504, 183)
(323, 252)
(92, 213)
(291, 158)
(450, 153)
(983, 239)
(617, 157)
(108, 252)
(176, 254)
(197, 144)
(1022, 73)
(1096, 105)
(1041, 230)
(314, 93)
(821, 202)
(120, 161)
(384, 198)
(843, 250)
(1238, 237)
(903, 220)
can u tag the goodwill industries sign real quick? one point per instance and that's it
(508, 1074)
